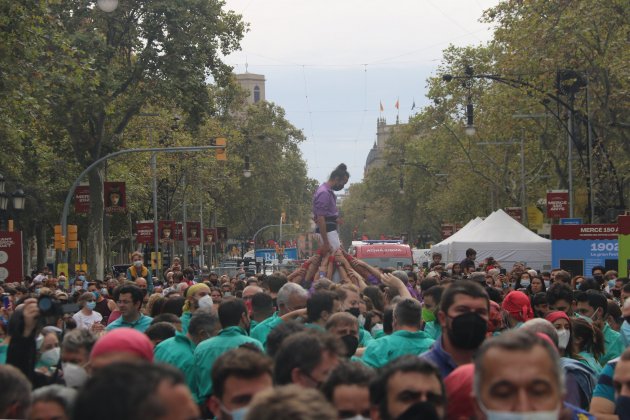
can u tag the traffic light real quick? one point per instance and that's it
(60, 241)
(221, 152)
(73, 242)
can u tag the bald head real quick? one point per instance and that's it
(250, 291)
(141, 282)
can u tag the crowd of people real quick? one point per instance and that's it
(449, 341)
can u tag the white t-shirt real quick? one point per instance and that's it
(86, 321)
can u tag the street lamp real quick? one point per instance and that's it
(107, 6)
(18, 199)
(247, 172)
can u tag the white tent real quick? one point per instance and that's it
(501, 237)
(444, 248)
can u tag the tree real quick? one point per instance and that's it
(143, 51)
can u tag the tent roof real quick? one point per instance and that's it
(500, 227)
(468, 226)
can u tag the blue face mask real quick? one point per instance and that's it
(96, 295)
(82, 278)
(611, 283)
(90, 305)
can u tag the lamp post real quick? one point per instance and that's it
(17, 200)
(568, 82)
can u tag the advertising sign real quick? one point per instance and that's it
(448, 229)
(115, 198)
(11, 257)
(571, 221)
(193, 233)
(579, 248)
(624, 245)
(144, 232)
(515, 212)
(557, 204)
(82, 199)
(166, 230)
(269, 254)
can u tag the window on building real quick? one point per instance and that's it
(256, 94)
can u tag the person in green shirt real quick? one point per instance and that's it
(407, 337)
(179, 350)
(592, 305)
(129, 299)
(291, 297)
(588, 343)
(430, 307)
(262, 308)
(197, 296)
(235, 321)
(320, 307)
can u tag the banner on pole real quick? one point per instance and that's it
(11, 257)
(144, 232)
(115, 197)
(193, 230)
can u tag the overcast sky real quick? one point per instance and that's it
(329, 63)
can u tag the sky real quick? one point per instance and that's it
(331, 63)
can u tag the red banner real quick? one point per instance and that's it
(193, 232)
(166, 231)
(115, 197)
(11, 262)
(447, 230)
(584, 231)
(179, 232)
(222, 234)
(210, 236)
(144, 232)
(558, 204)
(624, 225)
(82, 199)
(516, 213)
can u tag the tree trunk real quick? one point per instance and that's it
(96, 248)
(40, 237)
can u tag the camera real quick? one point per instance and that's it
(49, 306)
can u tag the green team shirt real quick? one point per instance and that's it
(380, 352)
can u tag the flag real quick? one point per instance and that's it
(397, 104)
(382, 109)
(413, 105)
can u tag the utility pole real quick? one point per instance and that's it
(185, 221)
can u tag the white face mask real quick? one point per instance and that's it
(51, 357)
(205, 302)
(527, 415)
(138, 263)
(563, 339)
(357, 417)
(74, 375)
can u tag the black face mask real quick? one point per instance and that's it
(421, 410)
(352, 343)
(467, 331)
(337, 187)
(354, 312)
(190, 277)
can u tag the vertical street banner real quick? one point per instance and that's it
(82, 199)
(222, 234)
(624, 245)
(115, 197)
(557, 204)
(144, 232)
(193, 233)
(179, 232)
(11, 261)
(209, 236)
(166, 230)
